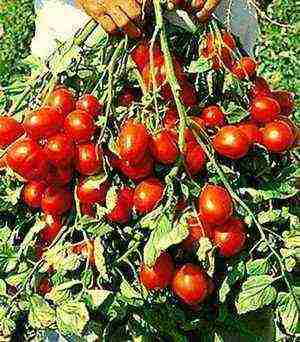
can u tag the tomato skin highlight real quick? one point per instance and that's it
(44, 122)
(63, 100)
(230, 237)
(251, 131)
(26, 158)
(91, 190)
(285, 100)
(278, 136)
(231, 142)
(53, 227)
(121, 213)
(90, 104)
(197, 230)
(264, 109)
(213, 116)
(88, 160)
(158, 276)
(59, 150)
(164, 147)
(79, 125)
(147, 195)
(56, 201)
(133, 142)
(191, 284)
(244, 68)
(215, 204)
(32, 193)
(10, 131)
(195, 158)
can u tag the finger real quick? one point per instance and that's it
(107, 23)
(93, 8)
(207, 10)
(131, 8)
(118, 16)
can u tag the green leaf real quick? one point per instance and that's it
(72, 318)
(98, 296)
(200, 66)
(235, 113)
(257, 267)
(41, 315)
(99, 257)
(61, 293)
(287, 311)
(256, 293)
(2, 287)
(129, 294)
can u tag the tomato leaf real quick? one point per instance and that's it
(287, 311)
(256, 293)
(257, 267)
(200, 66)
(98, 296)
(41, 315)
(99, 257)
(235, 113)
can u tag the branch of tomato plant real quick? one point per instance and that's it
(210, 155)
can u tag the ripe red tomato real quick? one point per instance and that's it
(147, 195)
(127, 97)
(264, 109)
(230, 237)
(141, 54)
(56, 201)
(244, 68)
(228, 40)
(231, 142)
(195, 158)
(278, 136)
(10, 131)
(197, 230)
(80, 126)
(164, 147)
(136, 172)
(63, 100)
(191, 284)
(133, 142)
(226, 57)
(32, 193)
(53, 227)
(215, 204)
(59, 176)
(27, 159)
(92, 190)
(121, 213)
(252, 131)
(259, 88)
(213, 116)
(44, 122)
(86, 249)
(209, 46)
(285, 100)
(87, 209)
(188, 94)
(90, 104)
(44, 286)
(158, 276)
(88, 160)
(59, 150)
(171, 118)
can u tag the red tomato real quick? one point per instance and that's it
(136, 172)
(244, 68)
(231, 142)
(90, 104)
(191, 284)
(252, 132)
(88, 159)
(230, 237)
(59, 176)
(195, 158)
(171, 119)
(141, 54)
(259, 88)
(44, 122)
(197, 230)
(213, 116)
(226, 57)
(10, 131)
(133, 142)
(278, 136)
(92, 190)
(53, 227)
(80, 126)
(3, 163)
(264, 109)
(147, 195)
(59, 150)
(56, 201)
(121, 213)
(44, 286)
(127, 97)
(164, 147)
(63, 100)
(27, 159)
(285, 100)
(87, 209)
(158, 276)
(209, 46)
(32, 193)
(215, 204)
(188, 94)
(228, 40)
(86, 249)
